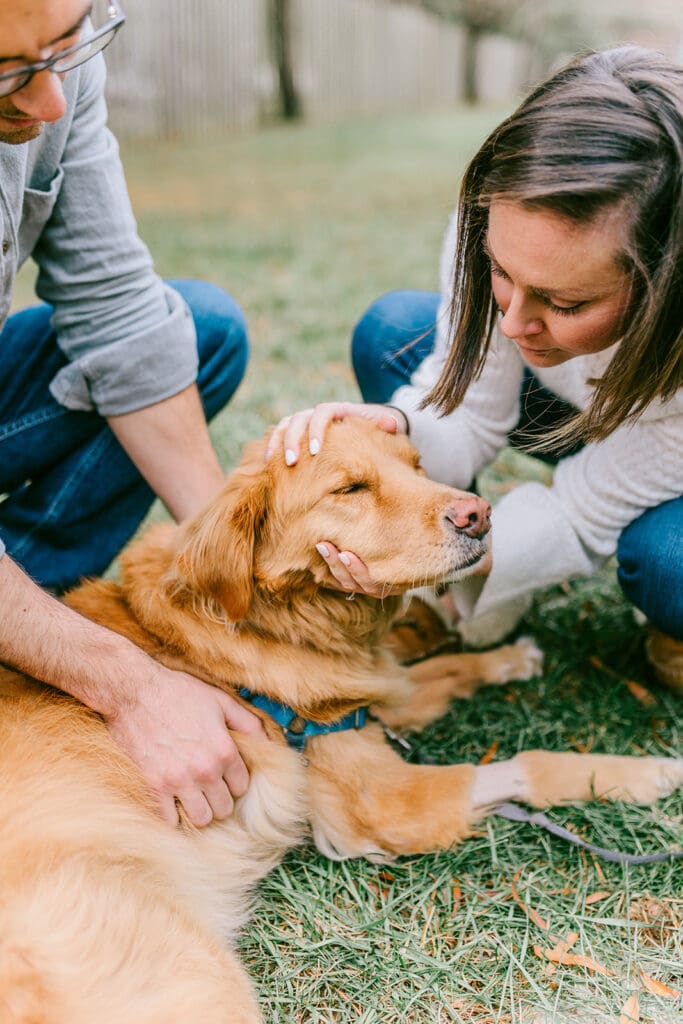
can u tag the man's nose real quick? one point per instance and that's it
(42, 97)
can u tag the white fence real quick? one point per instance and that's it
(194, 67)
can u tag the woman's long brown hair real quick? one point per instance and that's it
(605, 132)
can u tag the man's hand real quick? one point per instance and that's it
(173, 726)
(176, 732)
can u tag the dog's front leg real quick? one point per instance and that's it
(544, 778)
(367, 802)
(440, 679)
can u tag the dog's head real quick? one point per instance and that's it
(364, 492)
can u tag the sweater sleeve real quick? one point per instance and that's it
(129, 339)
(543, 535)
(455, 447)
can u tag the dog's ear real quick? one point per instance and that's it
(216, 558)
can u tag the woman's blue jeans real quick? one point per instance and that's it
(392, 339)
(73, 496)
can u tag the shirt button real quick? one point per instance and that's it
(5, 246)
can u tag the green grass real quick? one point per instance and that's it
(305, 227)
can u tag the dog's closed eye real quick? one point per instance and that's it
(353, 488)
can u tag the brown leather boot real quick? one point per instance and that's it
(665, 654)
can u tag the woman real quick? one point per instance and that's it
(561, 285)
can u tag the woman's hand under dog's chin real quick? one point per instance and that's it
(348, 573)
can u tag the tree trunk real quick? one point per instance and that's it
(473, 34)
(280, 20)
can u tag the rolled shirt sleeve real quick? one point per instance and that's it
(543, 535)
(130, 340)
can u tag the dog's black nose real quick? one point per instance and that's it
(470, 515)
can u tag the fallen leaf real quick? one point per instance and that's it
(598, 870)
(557, 956)
(640, 692)
(630, 1011)
(563, 946)
(595, 897)
(658, 988)
(490, 753)
(456, 893)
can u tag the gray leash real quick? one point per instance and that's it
(516, 813)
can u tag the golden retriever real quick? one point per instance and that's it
(106, 913)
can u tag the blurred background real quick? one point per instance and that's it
(198, 66)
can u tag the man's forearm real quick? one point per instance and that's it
(52, 643)
(169, 443)
(171, 725)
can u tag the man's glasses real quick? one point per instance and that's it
(14, 75)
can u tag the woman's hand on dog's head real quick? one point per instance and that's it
(291, 430)
(347, 571)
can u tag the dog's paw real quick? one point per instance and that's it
(644, 780)
(531, 657)
(670, 775)
(521, 660)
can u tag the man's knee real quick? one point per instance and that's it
(376, 332)
(391, 339)
(650, 556)
(222, 341)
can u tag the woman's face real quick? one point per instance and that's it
(559, 284)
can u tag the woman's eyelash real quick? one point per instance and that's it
(564, 310)
(561, 310)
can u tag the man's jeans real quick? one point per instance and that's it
(650, 549)
(73, 496)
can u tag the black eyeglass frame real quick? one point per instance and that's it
(26, 71)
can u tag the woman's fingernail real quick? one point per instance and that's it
(395, 419)
(345, 559)
(290, 457)
(324, 551)
(314, 446)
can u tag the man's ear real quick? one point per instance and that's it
(216, 559)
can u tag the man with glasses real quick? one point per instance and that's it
(103, 397)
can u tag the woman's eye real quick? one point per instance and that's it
(565, 310)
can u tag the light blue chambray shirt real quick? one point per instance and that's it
(129, 339)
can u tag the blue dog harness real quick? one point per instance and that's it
(296, 728)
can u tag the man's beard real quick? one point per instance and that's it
(19, 134)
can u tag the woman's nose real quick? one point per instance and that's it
(520, 320)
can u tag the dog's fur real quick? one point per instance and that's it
(108, 915)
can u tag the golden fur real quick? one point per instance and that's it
(108, 915)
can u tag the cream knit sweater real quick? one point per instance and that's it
(541, 535)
